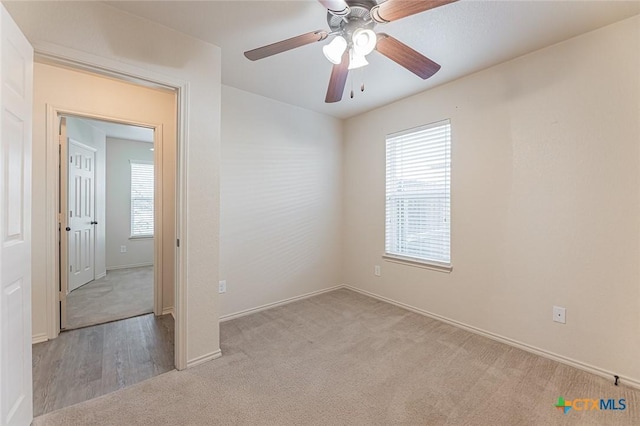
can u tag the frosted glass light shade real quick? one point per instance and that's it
(356, 61)
(334, 50)
(364, 41)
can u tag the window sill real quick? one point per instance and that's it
(418, 263)
(141, 237)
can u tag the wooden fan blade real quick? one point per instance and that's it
(338, 79)
(336, 7)
(392, 10)
(403, 55)
(284, 45)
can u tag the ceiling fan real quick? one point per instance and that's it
(351, 23)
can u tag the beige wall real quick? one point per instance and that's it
(120, 153)
(79, 91)
(280, 224)
(134, 43)
(545, 199)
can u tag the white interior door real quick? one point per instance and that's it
(81, 214)
(16, 75)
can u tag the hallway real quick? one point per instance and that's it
(83, 364)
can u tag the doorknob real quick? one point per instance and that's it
(68, 229)
(94, 223)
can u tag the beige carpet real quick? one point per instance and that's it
(345, 359)
(122, 293)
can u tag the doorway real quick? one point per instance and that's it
(107, 244)
(65, 92)
(82, 363)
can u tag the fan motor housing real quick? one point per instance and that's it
(358, 17)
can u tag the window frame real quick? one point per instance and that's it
(132, 235)
(415, 261)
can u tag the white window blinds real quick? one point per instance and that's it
(418, 194)
(141, 199)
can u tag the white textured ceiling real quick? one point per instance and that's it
(463, 37)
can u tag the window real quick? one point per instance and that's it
(141, 199)
(418, 200)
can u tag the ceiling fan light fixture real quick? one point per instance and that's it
(356, 60)
(334, 50)
(364, 41)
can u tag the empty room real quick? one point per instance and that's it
(358, 212)
(112, 278)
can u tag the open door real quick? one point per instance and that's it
(16, 93)
(81, 185)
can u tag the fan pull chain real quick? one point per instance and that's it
(351, 82)
(351, 77)
(362, 77)
(364, 71)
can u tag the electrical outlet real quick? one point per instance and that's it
(376, 270)
(559, 314)
(222, 286)
(123, 249)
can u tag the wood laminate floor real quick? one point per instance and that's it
(122, 293)
(86, 363)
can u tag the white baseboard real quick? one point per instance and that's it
(274, 304)
(39, 338)
(100, 276)
(170, 310)
(133, 265)
(204, 358)
(629, 381)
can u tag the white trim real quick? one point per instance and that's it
(631, 382)
(417, 263)
(55, 54)
(158, 242)
(182, 225)
(60, 55)
(204, 358)
(53, 249)
(133, 265)
(39, 338)
(100, 276)
(83, 146)
(250, 311)
(168, 311)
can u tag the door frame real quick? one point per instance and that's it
(83, 61)
(57, 113)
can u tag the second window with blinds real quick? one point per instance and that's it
(141, 199)
(418, 196)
